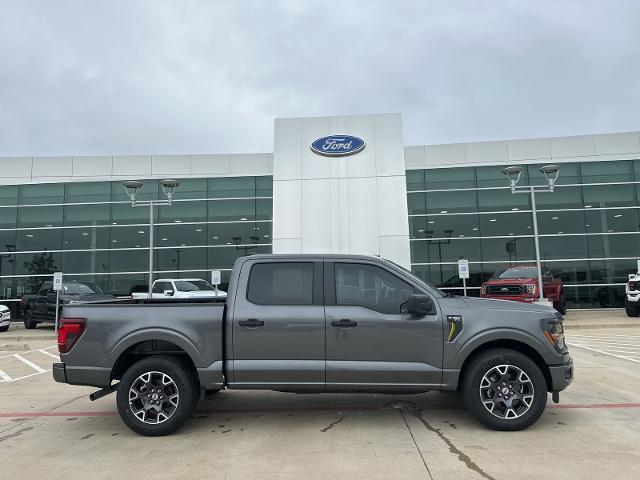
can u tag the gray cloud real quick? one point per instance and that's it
(199, 76)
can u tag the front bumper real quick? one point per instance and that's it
(561, 376)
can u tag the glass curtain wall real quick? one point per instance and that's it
(90, 232)
(589, 227)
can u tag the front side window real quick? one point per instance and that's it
(289, 283)
(160, 287)
(371, 287)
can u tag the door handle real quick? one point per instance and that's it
(345, 322)
(252, 322)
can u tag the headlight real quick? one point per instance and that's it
(531, 289)
(554, 333)
(483, 290)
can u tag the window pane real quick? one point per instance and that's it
(569, 174)
(281, 284)
(85, 238)
(231, 187)
(370, 287)
(29, 217)
(415, 180)
(562, 197)
(97, 214)
(148, 191)
(88, 192)
(38, 263)
(501, 200)
(223, 257)
(244, 233)
(438, 178)
(512, 224)
(35, 240)
(417, 203)
(604, 246)
(9, 195)
(609, 221)
(232, 210)
(561, 222)
(597, 172)
(609, 196)
(436, 251)
(264, 186)
(507, 250)
(183, 212)
(443, 202)
(8, 217)
(85, 262)
(181, 258)
(574, 246)
(43, 193)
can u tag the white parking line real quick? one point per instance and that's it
(42, 350)
(28, 351)
(603, 352)
(30, 363)
(4, 377)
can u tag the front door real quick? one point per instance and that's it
(372, 343)
(279, 326)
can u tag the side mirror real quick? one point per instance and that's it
(168, 293)
(419, 304)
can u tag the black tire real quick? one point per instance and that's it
(183, 384)
(533, 384)
(4, 329)
(29, 322)
(561, 305)
(631, 309)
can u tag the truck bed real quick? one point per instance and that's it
(191, 326)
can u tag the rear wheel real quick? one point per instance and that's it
(504, 390)
(631, 309)
(29, 322)
(156, 395)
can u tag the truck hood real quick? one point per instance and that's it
(474, 303)
(511, 281)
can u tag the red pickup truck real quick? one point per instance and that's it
(520, 283)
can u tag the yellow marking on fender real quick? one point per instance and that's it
(453, 327)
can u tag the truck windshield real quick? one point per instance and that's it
(193, 285)
(516, 272)
(81, 288)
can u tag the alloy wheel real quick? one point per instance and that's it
(153, 397)
(506, 391)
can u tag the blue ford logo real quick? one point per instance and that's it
(337, 145)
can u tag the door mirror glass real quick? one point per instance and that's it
(168, 293)
(419, 304)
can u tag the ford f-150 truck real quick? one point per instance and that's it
(520, 283)
(316, 323)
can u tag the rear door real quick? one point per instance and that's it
(372, 343)
(278, 326)
(40, 302)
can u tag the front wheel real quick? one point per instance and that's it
(4, 328)
(631, 309)
(156, 396)
(504, 390)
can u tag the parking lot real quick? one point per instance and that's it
(51, 430)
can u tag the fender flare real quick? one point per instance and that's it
(498, 334)
(163, 334)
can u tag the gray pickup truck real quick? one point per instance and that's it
(316, 323)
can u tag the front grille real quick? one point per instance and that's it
(505, 290)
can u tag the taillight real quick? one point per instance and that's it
(69, 333)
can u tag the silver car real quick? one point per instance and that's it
(5, 318)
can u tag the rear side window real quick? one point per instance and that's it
(289, 283)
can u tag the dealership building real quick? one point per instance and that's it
(422, 206)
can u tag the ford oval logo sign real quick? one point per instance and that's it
(337, 145)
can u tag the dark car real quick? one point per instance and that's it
(41, 308)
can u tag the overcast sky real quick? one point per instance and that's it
(116, 77)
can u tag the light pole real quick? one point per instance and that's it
(168, 187)
(551, 174)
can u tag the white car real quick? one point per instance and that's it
(5, 318)
(182, 288)
(632, 295)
